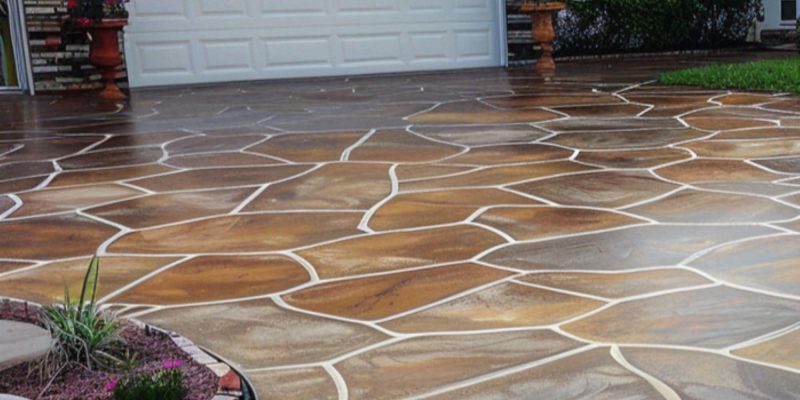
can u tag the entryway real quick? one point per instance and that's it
(13, 64)
(172, 42)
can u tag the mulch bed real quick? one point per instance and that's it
(77, 383)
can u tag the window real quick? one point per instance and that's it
(788, 10)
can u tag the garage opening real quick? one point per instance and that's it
(180, 42)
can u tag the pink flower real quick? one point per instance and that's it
(111, 385)
(171, 364)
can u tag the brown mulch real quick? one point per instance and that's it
(77, 383)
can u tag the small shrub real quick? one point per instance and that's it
(614, 26)
(81, 332)
(165, 384)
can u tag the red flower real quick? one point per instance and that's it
(171, 364)
(111, 385)
(72, 3)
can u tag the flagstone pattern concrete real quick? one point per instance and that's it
(476, 234)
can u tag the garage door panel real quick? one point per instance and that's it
(165, 57)
(159, 9)
(216, 18)
(360, 7)
(474, 44)
(298, 51)
(371, 48)
(294, 8)
(180, 41)
(428, 46)
(217, 8)
(227, 55)
(472, 5)
(429, 6)
(161, 62)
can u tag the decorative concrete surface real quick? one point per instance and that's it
(21, 342)
(475, 234)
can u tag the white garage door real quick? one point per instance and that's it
(192, 41)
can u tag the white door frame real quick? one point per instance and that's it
(19, 44)
(502, 31)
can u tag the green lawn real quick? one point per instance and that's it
(773, 75)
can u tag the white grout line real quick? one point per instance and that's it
(508, 238)
(346, 153)
(283, 304)
(503, 372)
(659, 386)
(329, 365)
(764, 338)
(312, 272)
(261, 189)
(563, 291)
(17, 205)
(143, 279)
(338, 380)
(448, 299)
(395, 188)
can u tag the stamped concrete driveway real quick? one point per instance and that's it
(459, 235)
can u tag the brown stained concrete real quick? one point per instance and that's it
(478, 234)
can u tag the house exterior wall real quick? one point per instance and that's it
(772, 16)
(773, 29)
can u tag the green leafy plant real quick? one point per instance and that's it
(164, 384)
(128, 361)
(81, 332)
(618, 26)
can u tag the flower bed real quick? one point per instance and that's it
(154, 351)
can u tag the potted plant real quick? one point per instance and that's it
(541, 12)
(103, 19)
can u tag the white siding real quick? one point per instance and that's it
(772, 16)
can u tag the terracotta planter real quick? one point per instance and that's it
(542, 19)
(104, 54)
